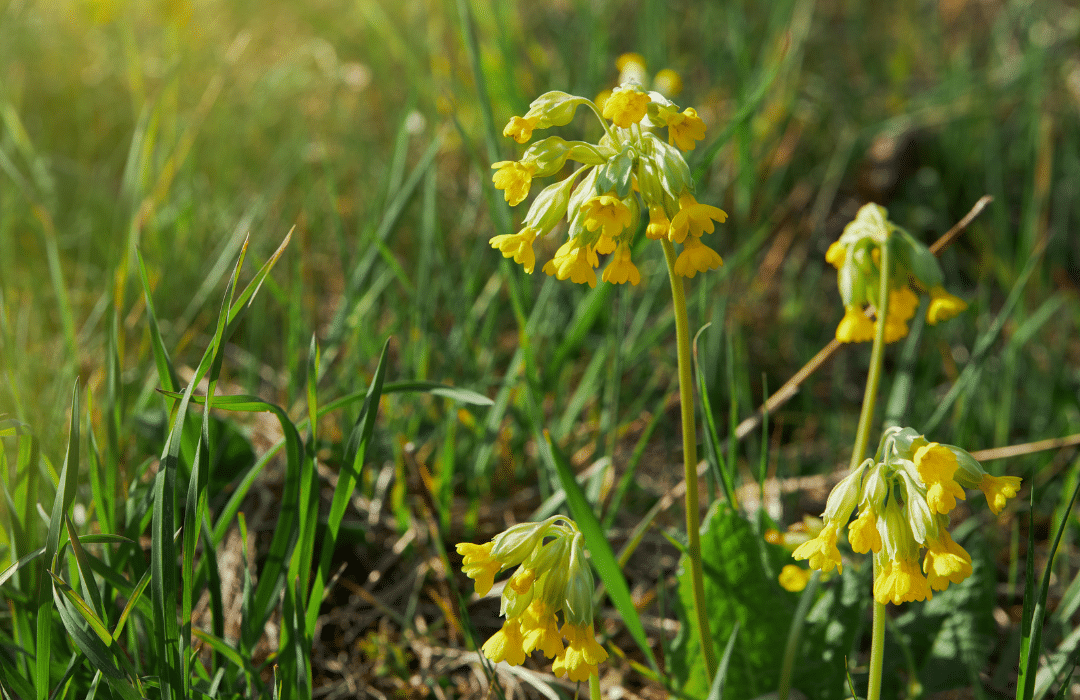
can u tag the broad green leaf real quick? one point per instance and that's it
(738, 590)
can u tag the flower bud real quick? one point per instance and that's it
(516, 543)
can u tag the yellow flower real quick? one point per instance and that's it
(520, 128)
(895, 329)
(515, 177)
(667, 82)
(943, 306)
(900, 581)
(684, 128)
(658, 223)
(794, 578)
(626, 106)
(903, 303)
(998, 490)
(518, 246)
(693, 218)
(936, 466)
(696, 257)
(835, 255)
(582, 654)
(478, 565)
(607, 211)
(945, 561)
(863, 533)
(620, 269)
(821, 551)
(540, 629)
(855, 327)
(573, 262)
(506, 644)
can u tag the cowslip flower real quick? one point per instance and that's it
(903, 496)
(553, 578)
(856, 255)
(629, 171)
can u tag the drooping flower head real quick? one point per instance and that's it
(553, 579)
(630, 170)
(856, 255)
(903, 497)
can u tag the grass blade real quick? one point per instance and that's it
(65, 494)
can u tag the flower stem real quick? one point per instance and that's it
(877, 649)
(594, 687)
(689, 435)
(862, 439)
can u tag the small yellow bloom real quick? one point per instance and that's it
(945, 562)
(573, 262)
(855, 327)
(684, 128)
(517, 246)
(540, 630)
(794, 578)
(520, 128)
(821, 551)
(667, 82)
(936, 466)
(506, 644)
(620, 269)
(696, 257)
(582, 654)
(903, 303)
(604, 245)
(693, 218)
(626, 106)
(895, 329)
(863, 533)
(998, 490)
(658, 223)
(478, 565)
(515, 177)
(835, 255)
(900, 581)
(607, 211)
(943, 306)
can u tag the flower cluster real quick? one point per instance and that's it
(904, 496)
(629, 173)
(857, 259)
(552, 577)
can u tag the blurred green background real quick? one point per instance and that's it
(368, 128)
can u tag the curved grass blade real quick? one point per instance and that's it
(716, 692)
(65, 494)
(712, 439)
(603, 559)
(23, 561)
(351, 465)
(1031, 646)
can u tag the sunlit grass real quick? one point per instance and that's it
(177, 130)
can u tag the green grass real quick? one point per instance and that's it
(138, 154)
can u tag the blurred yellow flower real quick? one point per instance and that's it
(627, 105)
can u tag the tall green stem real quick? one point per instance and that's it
(689, 435)
(862, 439)
(594, 687)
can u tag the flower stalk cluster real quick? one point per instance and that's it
(629, 173)
(553, 578)
(857, 259)
(904, 495)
